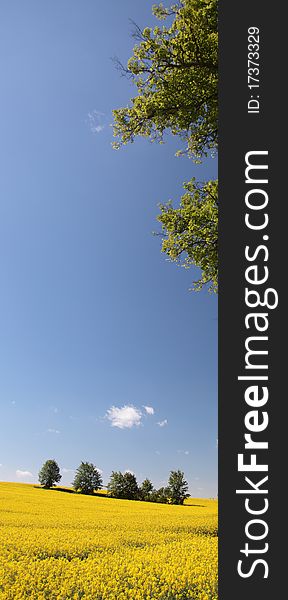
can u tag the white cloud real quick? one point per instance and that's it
(23, 474)
(1, 465)
(64, 470)
(186, 452)
(95, 121)
(149, 410)
(162, 423)
(51, 430)
(124, 417)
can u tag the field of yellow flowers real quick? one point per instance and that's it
(57, 545)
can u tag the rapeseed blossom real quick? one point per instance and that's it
(58, 546)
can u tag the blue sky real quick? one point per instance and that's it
(95, 324)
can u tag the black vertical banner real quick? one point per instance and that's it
(253, 168)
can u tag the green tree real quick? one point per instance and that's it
(87, 478)
(161, 495)
(49, 474)
(116, 484)
(145, 490)
(175, 70)
(191, 231)
(177, 487)
(123, 485)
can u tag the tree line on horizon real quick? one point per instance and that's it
(88, 480)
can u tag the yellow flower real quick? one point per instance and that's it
(58, 546)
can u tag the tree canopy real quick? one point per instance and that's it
(145, 490)
(175, 70)
(87, 478)
(191, 231)
(161, 495)
(49, 474)
(177, 487)
(123, 485)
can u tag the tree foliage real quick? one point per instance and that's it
(87, 478)
(191, 231)
(123, 485)
(161, 495)
(177, 487)
(175, 70)
(146, 490)
(49, 474)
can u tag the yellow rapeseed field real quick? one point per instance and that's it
(56, 545)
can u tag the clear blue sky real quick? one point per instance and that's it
(92, 316)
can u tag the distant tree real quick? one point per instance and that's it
(87, 478)
(116, 484)
(145, 490)
(49, 474)
(161, 495)
(177, 487)
(191, 231)
(123, 485)
(131, 486)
